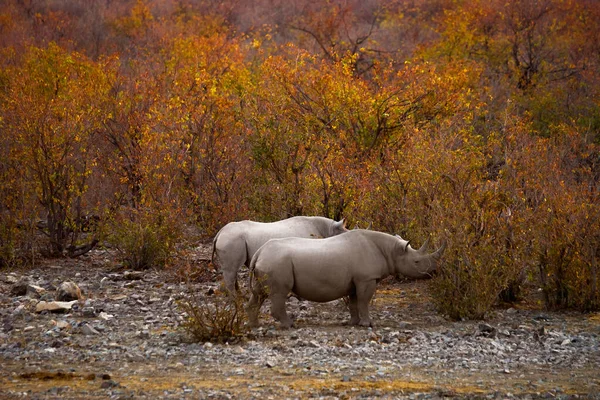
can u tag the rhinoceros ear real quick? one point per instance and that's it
(403, 243)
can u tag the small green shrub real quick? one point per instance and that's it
(145, 238)
(222, 320)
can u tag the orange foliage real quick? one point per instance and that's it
(472, 121)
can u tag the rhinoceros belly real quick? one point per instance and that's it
(322, 286)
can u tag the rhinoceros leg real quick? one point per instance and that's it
(353, 306)
(230, 279)
(256, 300)
(364, 294)
(230, 260)
(278, 309)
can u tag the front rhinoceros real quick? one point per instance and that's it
(324, 270)
(235, 244)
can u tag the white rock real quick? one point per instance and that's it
(105, 316)
(54, 306)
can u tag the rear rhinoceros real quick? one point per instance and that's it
(235, 244)
(324, 270)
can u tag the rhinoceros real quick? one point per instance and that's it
(324, 270)
(235, 244)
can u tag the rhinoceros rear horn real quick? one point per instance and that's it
(423, 248)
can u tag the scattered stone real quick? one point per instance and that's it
(54, 306)
(133, 275)
(35, 291)
(19, 288)
(136, 328)
(105, 316)
(19, 310)
(108, 384)
(62, 324)
(487, 330)
(11, 279)
(542, 331)
(405, 325)
(68, 291)
(87, 329)
(88, 312)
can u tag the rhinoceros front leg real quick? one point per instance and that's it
(278, 309)
(364, 294)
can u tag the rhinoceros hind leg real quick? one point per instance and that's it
(231, 284)
(257, 298)
(353, 306)
(253, 308)
(364, 294)
(278, 310)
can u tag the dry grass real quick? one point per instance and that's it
(221, 320)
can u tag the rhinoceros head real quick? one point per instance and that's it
(416, 263)
(338, 227)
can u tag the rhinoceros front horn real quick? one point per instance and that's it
(438, 253)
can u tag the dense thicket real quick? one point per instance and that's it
(473, 121)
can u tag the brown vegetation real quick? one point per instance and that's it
(474, 121)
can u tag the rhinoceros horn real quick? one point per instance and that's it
(438, 253)
(423, 248)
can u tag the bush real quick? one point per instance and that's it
(8, 245)
(222, 320)
(145, 238)
(568, 259)
(468, 285)
(17, 243)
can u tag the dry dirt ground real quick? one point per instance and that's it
(124, 340)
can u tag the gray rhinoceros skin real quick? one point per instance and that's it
(324, 270)
(235, 244)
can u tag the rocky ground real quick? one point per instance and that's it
(124, 340)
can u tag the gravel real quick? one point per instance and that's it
(123, 340)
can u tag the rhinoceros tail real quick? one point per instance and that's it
(214, 250)
(252, 265)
